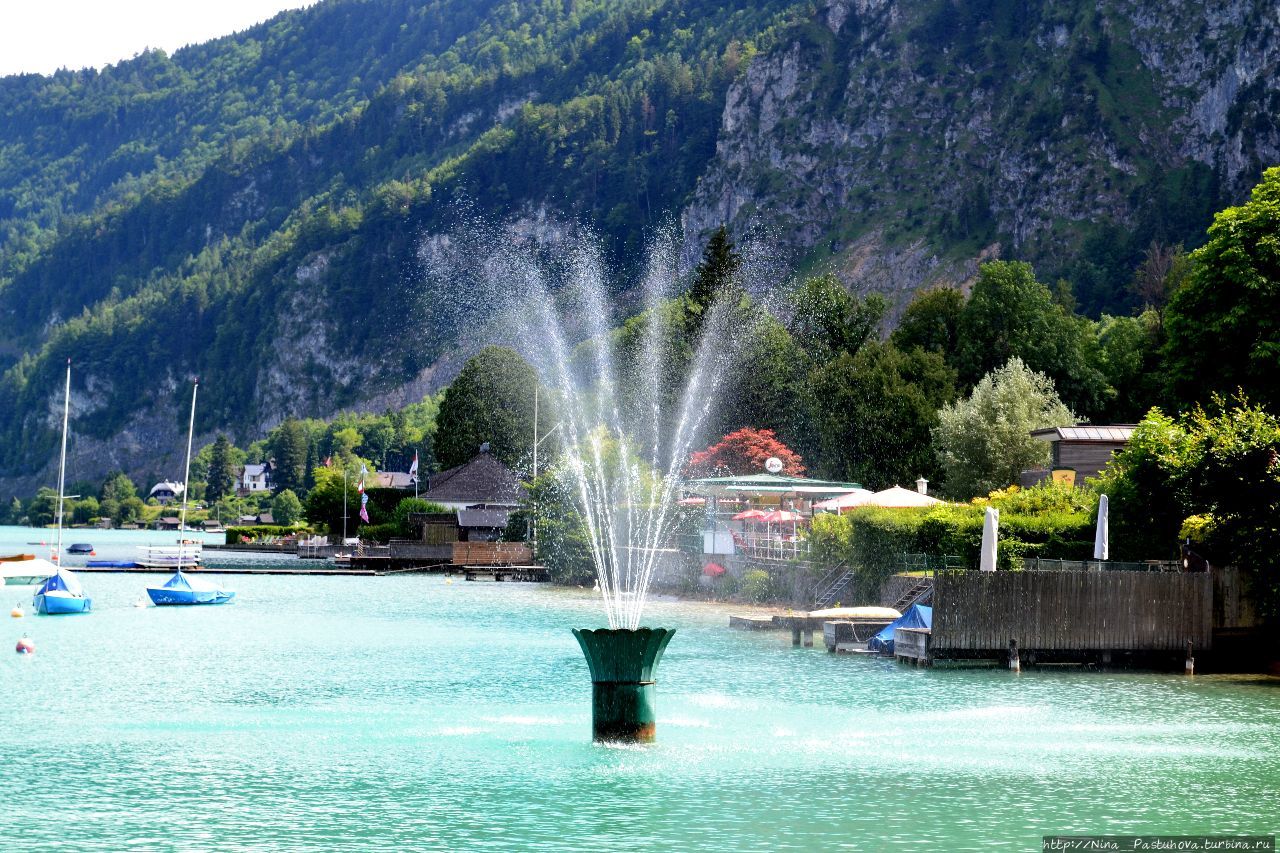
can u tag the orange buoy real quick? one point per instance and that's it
(25, 646)
(17, 611)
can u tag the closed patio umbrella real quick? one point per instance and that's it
(1102, 536)
(990, 526)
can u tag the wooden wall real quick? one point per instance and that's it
(1086, 457)
(1072, 611)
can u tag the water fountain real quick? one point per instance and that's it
(627, 434)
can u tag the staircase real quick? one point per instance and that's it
(831, 587)
(918, 594)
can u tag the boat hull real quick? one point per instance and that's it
(164, 596)
(58, 605)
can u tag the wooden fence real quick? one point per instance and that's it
(1071, 611)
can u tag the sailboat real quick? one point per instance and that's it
(61, 591)
(181, 589)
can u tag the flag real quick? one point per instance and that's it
(328, 462)
(364, 508)
(363, 471)
(413, 469)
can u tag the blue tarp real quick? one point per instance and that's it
(917, 616)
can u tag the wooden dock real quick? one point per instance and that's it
(501, 574)
(228, 570)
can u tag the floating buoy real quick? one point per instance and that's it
(141, 602)
(25, 646)
(17, 611)
(93, 553)
(448, 580)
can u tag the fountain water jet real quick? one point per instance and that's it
(627, 435)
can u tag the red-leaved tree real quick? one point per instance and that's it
(744, 451)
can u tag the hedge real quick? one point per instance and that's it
(257, 531)
(872, 540)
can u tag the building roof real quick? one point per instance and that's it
(167, 485)
(767, 484)
(256, 469)
(483, 517)
(391, 480)
(1109, 434)
(483, 480)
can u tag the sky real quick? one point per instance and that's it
(44, 35)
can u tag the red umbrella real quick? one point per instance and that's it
(750, 515)
(692, 501)
(713, 570)
(780, 515)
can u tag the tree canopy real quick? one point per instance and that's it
(490, 401)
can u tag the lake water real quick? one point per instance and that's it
(411, 713)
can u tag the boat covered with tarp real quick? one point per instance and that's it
(61, 593)
(184, 589)
(917, 616)
(24, 570)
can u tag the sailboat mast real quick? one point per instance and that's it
(186, 473)
(62, 464)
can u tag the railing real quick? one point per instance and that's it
(771, 546)
(832, 584)
(1041, 564)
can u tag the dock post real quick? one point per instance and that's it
(807, 635)
(795, 635)
(1015, 665)
(1191, 661)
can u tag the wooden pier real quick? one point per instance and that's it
(500, 574)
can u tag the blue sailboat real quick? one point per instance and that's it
(61, 592)
(182, 589)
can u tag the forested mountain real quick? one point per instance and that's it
(252, 210)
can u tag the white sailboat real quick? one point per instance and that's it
(61, 591)
(181, 589)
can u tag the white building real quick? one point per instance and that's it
(255, 478)
(167, 491)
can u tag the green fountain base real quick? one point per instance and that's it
(623, 664)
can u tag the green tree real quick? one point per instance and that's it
(931, 321)
(1128, 356)
(16, 512)
(827, 320)
(985, 441)
(717, 272)
(875, 412)
(1224, 322)
(128, 509)
(221, 477)
(43, 508)
(289, 450)
(324, 504)
(490, 401)
(286, 509)
(118, 487)
(85, 510)
(1011, 314)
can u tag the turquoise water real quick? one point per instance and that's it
(411, 713)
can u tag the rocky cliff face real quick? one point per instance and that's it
(899, 141)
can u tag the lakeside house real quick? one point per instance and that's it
(254, 478)
(166, 492)
(1078, 452)
(481, 483)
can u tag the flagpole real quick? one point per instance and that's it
(344, 504)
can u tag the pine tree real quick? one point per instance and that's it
(718, 271)
(289, 469)
(222, 475)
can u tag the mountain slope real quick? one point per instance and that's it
(253, 210)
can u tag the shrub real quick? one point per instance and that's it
(757, 586)
(261, 531)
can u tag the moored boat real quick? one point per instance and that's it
(181, 589)
(24, 570)
(61, 593)
(80, 548)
